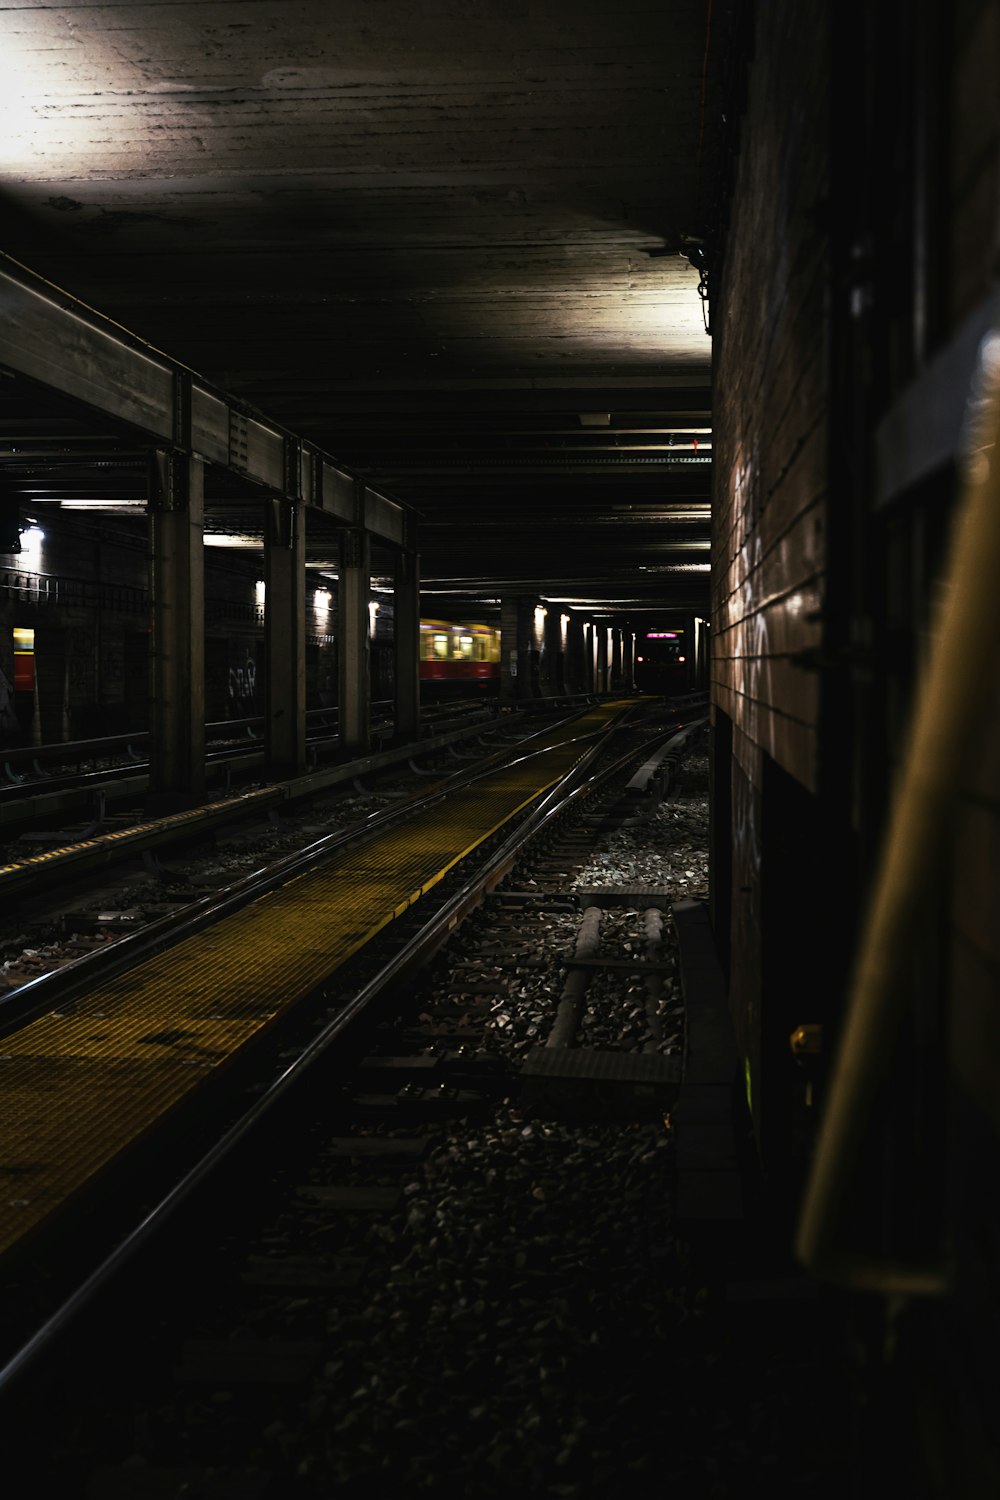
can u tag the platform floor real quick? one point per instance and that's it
(79, 1086)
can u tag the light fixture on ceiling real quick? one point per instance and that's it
(232, 539)
(105, 505)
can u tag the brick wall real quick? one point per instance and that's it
(770, 400)
(770, 468)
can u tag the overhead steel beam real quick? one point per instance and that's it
(55, 345)
(46, 336)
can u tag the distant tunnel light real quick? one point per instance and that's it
(373, 610)
(260, 593)
(321, 603)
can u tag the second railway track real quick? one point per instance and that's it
(442, 1187)
(125, 1037)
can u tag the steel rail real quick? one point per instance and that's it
(29, 1000)
(416, 949)
(96, 848)
(232, 739)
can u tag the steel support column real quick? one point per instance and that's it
(512, 650)
(177, 627)
(575, 665)
(690, 650)
(589, 662)
(601, 666)
(552, 663)
(353, 633)
(617, 646)
(628, 661)
(285, 636)
(406, 645)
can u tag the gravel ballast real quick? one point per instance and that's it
(529, 1318)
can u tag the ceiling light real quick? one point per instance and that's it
(232, 539)
(109, 505)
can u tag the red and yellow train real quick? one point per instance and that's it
(456, 656)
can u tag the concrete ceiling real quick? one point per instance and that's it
(439, 237)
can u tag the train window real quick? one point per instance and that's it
(441, 647)
(464, 647)
(24, 660)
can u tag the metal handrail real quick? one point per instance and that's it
(65, 751)
(960, 676)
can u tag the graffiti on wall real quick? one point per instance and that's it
(243, 690)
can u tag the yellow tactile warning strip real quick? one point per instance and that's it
(136, 833)
(77, 1087)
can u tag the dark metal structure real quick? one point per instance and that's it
(444, 244)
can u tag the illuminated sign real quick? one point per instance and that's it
(662, 635)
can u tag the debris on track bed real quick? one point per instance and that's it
(481, 1299)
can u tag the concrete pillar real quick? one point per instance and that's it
(353, 634)
(562, 636)
(510, 651)
(51, 685)
(616, 659)
(575, 657)
(537, 681)
(628, 660)
(702, 637)
(406, 646)
(285, 636)
(177, 629)
(602, 661)
(519, 656)
(553, 666)
(690, 654)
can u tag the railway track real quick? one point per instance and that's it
(339, 895)
(94, 785)
(424, 1247)
(63, 894)
(384, 1136)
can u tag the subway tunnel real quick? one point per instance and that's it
(561, 352)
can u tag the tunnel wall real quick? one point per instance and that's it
(771, 482)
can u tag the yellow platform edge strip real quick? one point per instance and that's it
(113, 1078)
